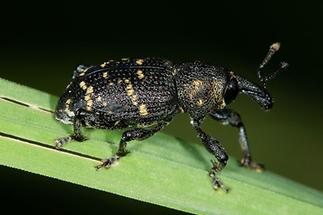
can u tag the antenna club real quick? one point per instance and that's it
(275, 46)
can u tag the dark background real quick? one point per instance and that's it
(41, 44)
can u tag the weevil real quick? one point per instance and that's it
(143, 95)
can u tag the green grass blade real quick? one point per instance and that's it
(163, 170)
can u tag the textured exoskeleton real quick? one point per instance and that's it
(143, 95)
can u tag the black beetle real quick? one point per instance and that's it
(144, 95)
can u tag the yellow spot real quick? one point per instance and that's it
(125, 59)
(196, 88)
(99, 98)
(119, 81)
(217, 93)
(197, 84)
(111, 83)
(134, 100)
(143, 110)
(104, 104)
(103, 64)
(126, 81)
(68, 101)
(87, 97)
(222, 104)
(81, 74)
(140, 74)
(89, 105)
(129, 86)
(83, 85)
(67, 104)
(89, 90)
(199, 102)
(139, 61)
(105, 75)
(130, 90)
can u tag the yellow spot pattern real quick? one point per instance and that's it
(131, 94)
(88, 98)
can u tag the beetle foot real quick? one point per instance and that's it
(107, 163)
(216, 182)
(247, 162)
(60, 142)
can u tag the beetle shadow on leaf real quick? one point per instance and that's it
(200, 160)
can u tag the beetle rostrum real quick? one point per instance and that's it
(143, 95)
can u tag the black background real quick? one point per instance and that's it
(42, 42)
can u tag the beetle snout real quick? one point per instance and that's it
(264, 100)
(262, 97)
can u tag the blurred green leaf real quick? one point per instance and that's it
(162, 170)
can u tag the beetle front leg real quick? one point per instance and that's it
(218, 151)
(77, 135)
(133, 134)
(228, 116)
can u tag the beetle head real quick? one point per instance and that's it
(236, 84)
(258, 94)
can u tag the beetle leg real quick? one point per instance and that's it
(218, 151)
(77, 135)
(133, 134)
(228, 116)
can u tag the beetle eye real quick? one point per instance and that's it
(231, 91)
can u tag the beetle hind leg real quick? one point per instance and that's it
(228, 116)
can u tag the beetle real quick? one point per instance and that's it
(143, 95)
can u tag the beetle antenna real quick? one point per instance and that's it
(283, 65)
